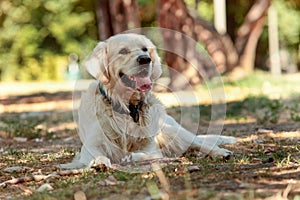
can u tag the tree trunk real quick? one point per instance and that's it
(273, 41)
(225, 54)
(220, 16)
(174, 15)
(219, 47)
(249, 33)
(105, 29)
(116, 16)
(132, 14)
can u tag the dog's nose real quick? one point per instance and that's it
(143, 60)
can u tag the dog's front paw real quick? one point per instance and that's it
(135, 157)
(220, 152)
(100, 160)
(141, 156)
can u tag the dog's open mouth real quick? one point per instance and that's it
(136, 82)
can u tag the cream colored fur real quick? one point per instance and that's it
(111, 135)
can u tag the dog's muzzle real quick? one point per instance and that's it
(141, 79)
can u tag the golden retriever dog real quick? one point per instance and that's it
(120, 120)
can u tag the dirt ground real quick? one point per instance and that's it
(37, 132)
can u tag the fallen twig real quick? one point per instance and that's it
(38, 178)
(151, 161)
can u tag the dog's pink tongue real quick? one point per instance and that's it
(143, 84)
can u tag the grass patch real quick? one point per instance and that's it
(15, 126)
(261, 108)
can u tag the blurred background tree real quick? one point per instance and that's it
(228, 54)
(37, 36)
(116, 16)
(289, 36)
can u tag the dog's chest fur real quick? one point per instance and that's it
(123, 130)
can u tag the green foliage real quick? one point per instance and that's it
(267, 110)
(294, 109)
(282, 158)
(288, 23)
(148, 12)
(205, 9)
(36, 37)
(16, 127)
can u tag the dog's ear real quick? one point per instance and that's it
(155, 63)
(96, 64)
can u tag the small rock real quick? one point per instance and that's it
(193, 168)
(258, 140)
(38, 139)
(45, 187)
(79, 195)
(20, 139)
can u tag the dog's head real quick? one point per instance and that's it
(126, 66)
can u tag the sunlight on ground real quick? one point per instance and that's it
(262, 133)
(289, 85)
(63, 105)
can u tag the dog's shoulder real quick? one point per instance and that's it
(152, 100)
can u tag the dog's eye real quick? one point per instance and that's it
(124, 51)
(145, 49)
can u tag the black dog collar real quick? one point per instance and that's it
(134, 109)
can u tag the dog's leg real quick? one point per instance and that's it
(174, 138)
(93, 158)
(217, 139)
(151, 151)
(87, 158)
(208, 144)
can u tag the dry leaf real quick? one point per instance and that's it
(263, 131)
(26, 189)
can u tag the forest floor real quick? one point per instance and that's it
(38, 132)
